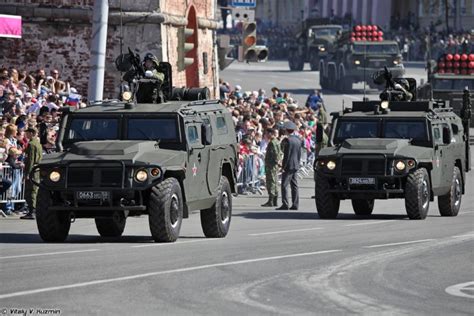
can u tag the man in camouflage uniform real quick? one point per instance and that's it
(150, 63)
(34, 153)
(272, 164)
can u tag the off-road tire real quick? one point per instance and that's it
(327, 204)
(347, 85)
(215, 221)
(323, 80)
(294, 62)
(417, 194)
(314, 62)
(53, 226)
(332, 82)
(363, 207)
(165, 210)
(450, 203)
(111, 227)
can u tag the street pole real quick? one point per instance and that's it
(98, 46)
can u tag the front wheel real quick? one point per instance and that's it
(363, 207)
(53, 226)
(327, 204)
(111, 227)
(165, 209)
(215, 221)
(450, 203)
(417, 194)
(314, 62)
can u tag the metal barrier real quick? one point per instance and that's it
(248, 180)
(16, 192)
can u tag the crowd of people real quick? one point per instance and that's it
(264, 121)
(31, 105)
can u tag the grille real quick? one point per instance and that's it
(111, 177)
(363, 166)
(95, 177)
(80, 177)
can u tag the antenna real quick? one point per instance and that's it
(121, 34)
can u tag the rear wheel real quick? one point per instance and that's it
(417, 194)
(53, 226)
(450, 203)
(165, 210)
(363, 207)
(327, 204)
(215, 221)
(111, 227)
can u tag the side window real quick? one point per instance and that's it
(193, 136)
(221, 125)
(437, 136)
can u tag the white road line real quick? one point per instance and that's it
(352, 97)
(48, 254)
(285, 231)
(368, 223)
(399, 243)
(151, 274)
(463, 236)
(175, 243)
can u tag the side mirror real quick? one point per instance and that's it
(206, 132)
(446, 135)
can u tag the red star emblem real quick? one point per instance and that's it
(194, 169)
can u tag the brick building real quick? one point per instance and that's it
(57, 34)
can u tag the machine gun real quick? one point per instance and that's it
(466, 113)
(396, 89)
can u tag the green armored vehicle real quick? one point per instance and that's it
(312, 43)
(355, 59)
(398, 147)
(119, 159)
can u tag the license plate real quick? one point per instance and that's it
(361, 181)
(92, 195)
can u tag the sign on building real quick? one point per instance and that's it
(10, 26)
(244, 3)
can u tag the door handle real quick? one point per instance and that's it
(199, 157)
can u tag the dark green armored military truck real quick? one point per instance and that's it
(394, 148)
(122, 159)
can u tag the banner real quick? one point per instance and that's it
(10, 26)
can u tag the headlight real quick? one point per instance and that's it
(400, 165)
(141, 175)
(331, 165)
(384, 105)
(127, 96)
(55, 176)
(357, 62)
(156, 172)
(396, 62)
(322, 48)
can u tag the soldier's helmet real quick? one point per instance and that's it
(150, 56)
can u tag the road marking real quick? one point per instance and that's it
(351, 97)
(368, 223)
(48, 254)
(175, 243)
(151, 274)
(461, 289)
(463, 236)
(285, 231)
(399, 243)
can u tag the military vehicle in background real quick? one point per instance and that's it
(356, 56)
(448, 76)
(312, 43)
(163, 159)
(398, 147)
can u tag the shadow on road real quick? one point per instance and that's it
(298, 215)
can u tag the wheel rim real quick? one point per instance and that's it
(425, 194)
(225, 207)
(174, 211)
(457, 192)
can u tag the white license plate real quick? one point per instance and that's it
(361, 181)
(92, 195)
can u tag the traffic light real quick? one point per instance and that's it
(249, 40)
(223, 51)
(186, 47)
(262, 52)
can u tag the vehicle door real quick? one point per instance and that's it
(438, 152)
(447, 159)
(218, 151)
(197, 164)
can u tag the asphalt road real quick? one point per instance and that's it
(272, 262)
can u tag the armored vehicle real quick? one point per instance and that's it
(398, 147)
(355, 58)
(447, 79)
(118, 159)
(312, 43)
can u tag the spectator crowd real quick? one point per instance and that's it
(28, 102)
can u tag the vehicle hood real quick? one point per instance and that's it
(131, 152)
(374, 146)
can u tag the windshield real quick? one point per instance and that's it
(391, 49)
(413, 129)
(317, 32)
(81, 129)
(165, 129)
(453, 84)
